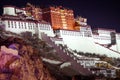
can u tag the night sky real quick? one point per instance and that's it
(100, 13)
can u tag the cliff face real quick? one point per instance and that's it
(20, 61)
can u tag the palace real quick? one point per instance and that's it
(60, 25)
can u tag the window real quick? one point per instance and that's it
(12, 24)
(25, 25)
(15, 24)
(8, 24)
(19, 25)
(29, 25)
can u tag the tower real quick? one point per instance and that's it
(59, 17)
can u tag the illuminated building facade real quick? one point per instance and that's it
(61, 27)
(59, 17)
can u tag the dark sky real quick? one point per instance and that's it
(100, 13)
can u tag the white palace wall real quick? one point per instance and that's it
(76, 41)
(19, 26)
(118, 42)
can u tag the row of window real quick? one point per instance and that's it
(87, 34)
(102, 38)
(24, 25)
(104, 32)
(44, 28)
(21, 25)
(72, 33)
(43, 25)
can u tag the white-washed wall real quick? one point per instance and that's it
(102, 39)
(114, 47)
(76, 41)
(102, 50)
(9, 10)
(85, 44)
(118, 42)
(46, 28)
(19, 26)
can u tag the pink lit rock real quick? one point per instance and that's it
(7, 56)
(6, 50)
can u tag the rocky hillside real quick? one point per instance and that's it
(29, 58)
(20, 61)
(26, 57)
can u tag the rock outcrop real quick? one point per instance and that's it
(20, 61)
